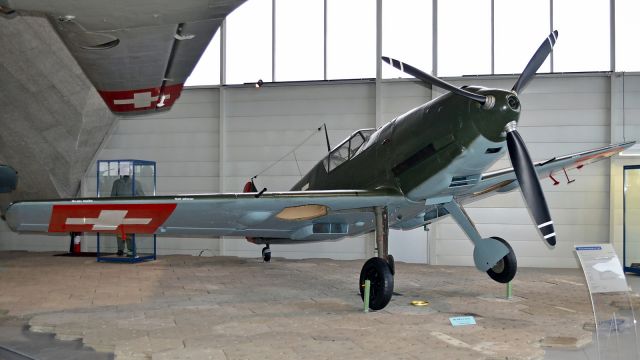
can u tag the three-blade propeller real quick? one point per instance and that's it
(519, 155)
(522, 165)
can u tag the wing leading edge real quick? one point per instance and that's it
(504, 180)
(295, 216)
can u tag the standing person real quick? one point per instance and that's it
(123, 186)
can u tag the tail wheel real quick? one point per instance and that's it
(266, 254)
(377, 271)
(505, 270)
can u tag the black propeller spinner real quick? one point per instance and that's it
(518, 153)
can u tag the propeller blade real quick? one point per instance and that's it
(530, 186)
(536, 61)
(430, 79)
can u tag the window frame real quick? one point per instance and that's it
(328, 161)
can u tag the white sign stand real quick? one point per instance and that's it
(615, 321)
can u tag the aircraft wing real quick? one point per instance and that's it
(287, 216)
(138, 56)
(505, 180)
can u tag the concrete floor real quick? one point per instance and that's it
(182, 307)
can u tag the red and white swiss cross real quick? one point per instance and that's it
(141, 99)
(109, 218)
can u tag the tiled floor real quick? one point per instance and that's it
(182, 307)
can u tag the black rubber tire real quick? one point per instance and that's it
(392, 264)
(266, 254)
(378, 272)
(505, 270)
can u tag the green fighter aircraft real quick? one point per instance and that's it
(418, 168)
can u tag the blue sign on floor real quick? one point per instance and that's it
(462, 320)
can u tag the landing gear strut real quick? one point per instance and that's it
(492, 255)
(266, 253)
(379, 270)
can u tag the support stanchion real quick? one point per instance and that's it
(367, 292)
(509, 291)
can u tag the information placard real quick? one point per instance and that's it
(462, 320)
(602, 268)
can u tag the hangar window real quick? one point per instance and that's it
(292, 40)
(299, 53)
(464, 37)
(627, 30)
(207, 71)
(351, 39)
(397, 22)
(517, 36)
(584, 44)
(249, 43)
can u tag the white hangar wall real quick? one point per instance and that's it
(197, 152)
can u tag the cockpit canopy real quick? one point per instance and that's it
(347, 149)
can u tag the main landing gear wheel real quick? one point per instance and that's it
(266, 254)
(505, 269)
(377, 271)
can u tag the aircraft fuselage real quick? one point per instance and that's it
(445, 143)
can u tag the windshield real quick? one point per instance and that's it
(347, 149)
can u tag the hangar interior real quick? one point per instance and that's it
(274, 73)
(217, 137)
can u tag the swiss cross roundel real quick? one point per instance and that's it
(109, 218)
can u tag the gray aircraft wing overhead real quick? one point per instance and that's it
(280, 217)
(504, 180)
(137, 54)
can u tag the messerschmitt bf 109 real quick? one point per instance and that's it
(419, 167)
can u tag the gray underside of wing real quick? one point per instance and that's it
(145, 30)
(136, 48)
(138, 58)
(143, 57)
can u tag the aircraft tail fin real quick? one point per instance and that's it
(249, 187)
